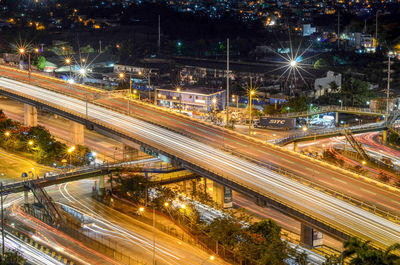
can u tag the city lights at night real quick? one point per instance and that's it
(200, 132)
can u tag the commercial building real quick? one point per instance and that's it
(192, 99)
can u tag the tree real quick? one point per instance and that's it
(358, 252)
(133, 185)
(262, 241)
(40, 62)
(226, 230)
(320, 64)
(355, 92)
(333, 260)
(295, 104)
(12, 258)
(87, 49)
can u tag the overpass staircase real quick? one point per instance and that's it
(356, 145)
(46, 201)
(394, 116)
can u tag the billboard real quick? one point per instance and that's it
(276, 123)
(227, 197)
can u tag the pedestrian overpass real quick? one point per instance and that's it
(310, 135)
(330, 108)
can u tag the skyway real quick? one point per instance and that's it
(234, 171)
(324, 133)
(331, 108)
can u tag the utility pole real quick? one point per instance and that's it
(154, 235)
(250, 94)
(388, 89)
(159, 34)
(376, 27)
(99, 46)
(2, 221)
(338, 30)
(227, 81)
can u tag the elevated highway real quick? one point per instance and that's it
(326, 213)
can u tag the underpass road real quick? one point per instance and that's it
(343, 216)
(133, 237)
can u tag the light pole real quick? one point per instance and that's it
(251, 94)
(376, 28)
(341, 104)
(70, 150)
(122, 76)
(68, 62)
(293, 66)
(209, 258)
(22, 51)
(178, 89)
(236, 99)
(154, 235)
(148, 75)
(214, 102)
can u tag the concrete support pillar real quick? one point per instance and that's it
(295, 148)
(30, 115)
(306, 236)
(218, 193)
(101, 189)
(384, 136)
(129, 152)
(337, 118)
(222, 195)
(77, 133)
(26, 198)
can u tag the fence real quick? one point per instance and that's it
(100, 243)
(193, 235)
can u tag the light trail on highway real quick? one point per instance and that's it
(322, 175)
(339, 214)
(131, 235)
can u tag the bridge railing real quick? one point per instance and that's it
(318, 133)
(324, 109)
(340, 195)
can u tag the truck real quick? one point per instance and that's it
(276, 123)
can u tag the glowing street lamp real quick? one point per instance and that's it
(209, 258)
(7, 134)
(70, 150)
(252, 92)
(30, 142)
(22, 51)
(293, 63)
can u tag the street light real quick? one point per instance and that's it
(148, 75)
(22, 51)
(293, 63)
(178, 89)
(68, 62)
(341, 103)
(7, 133)
(252, 92)
(30, 142)
(122, 76)
(70, 150)
(209, 258)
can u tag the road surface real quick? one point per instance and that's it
(341, 215)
